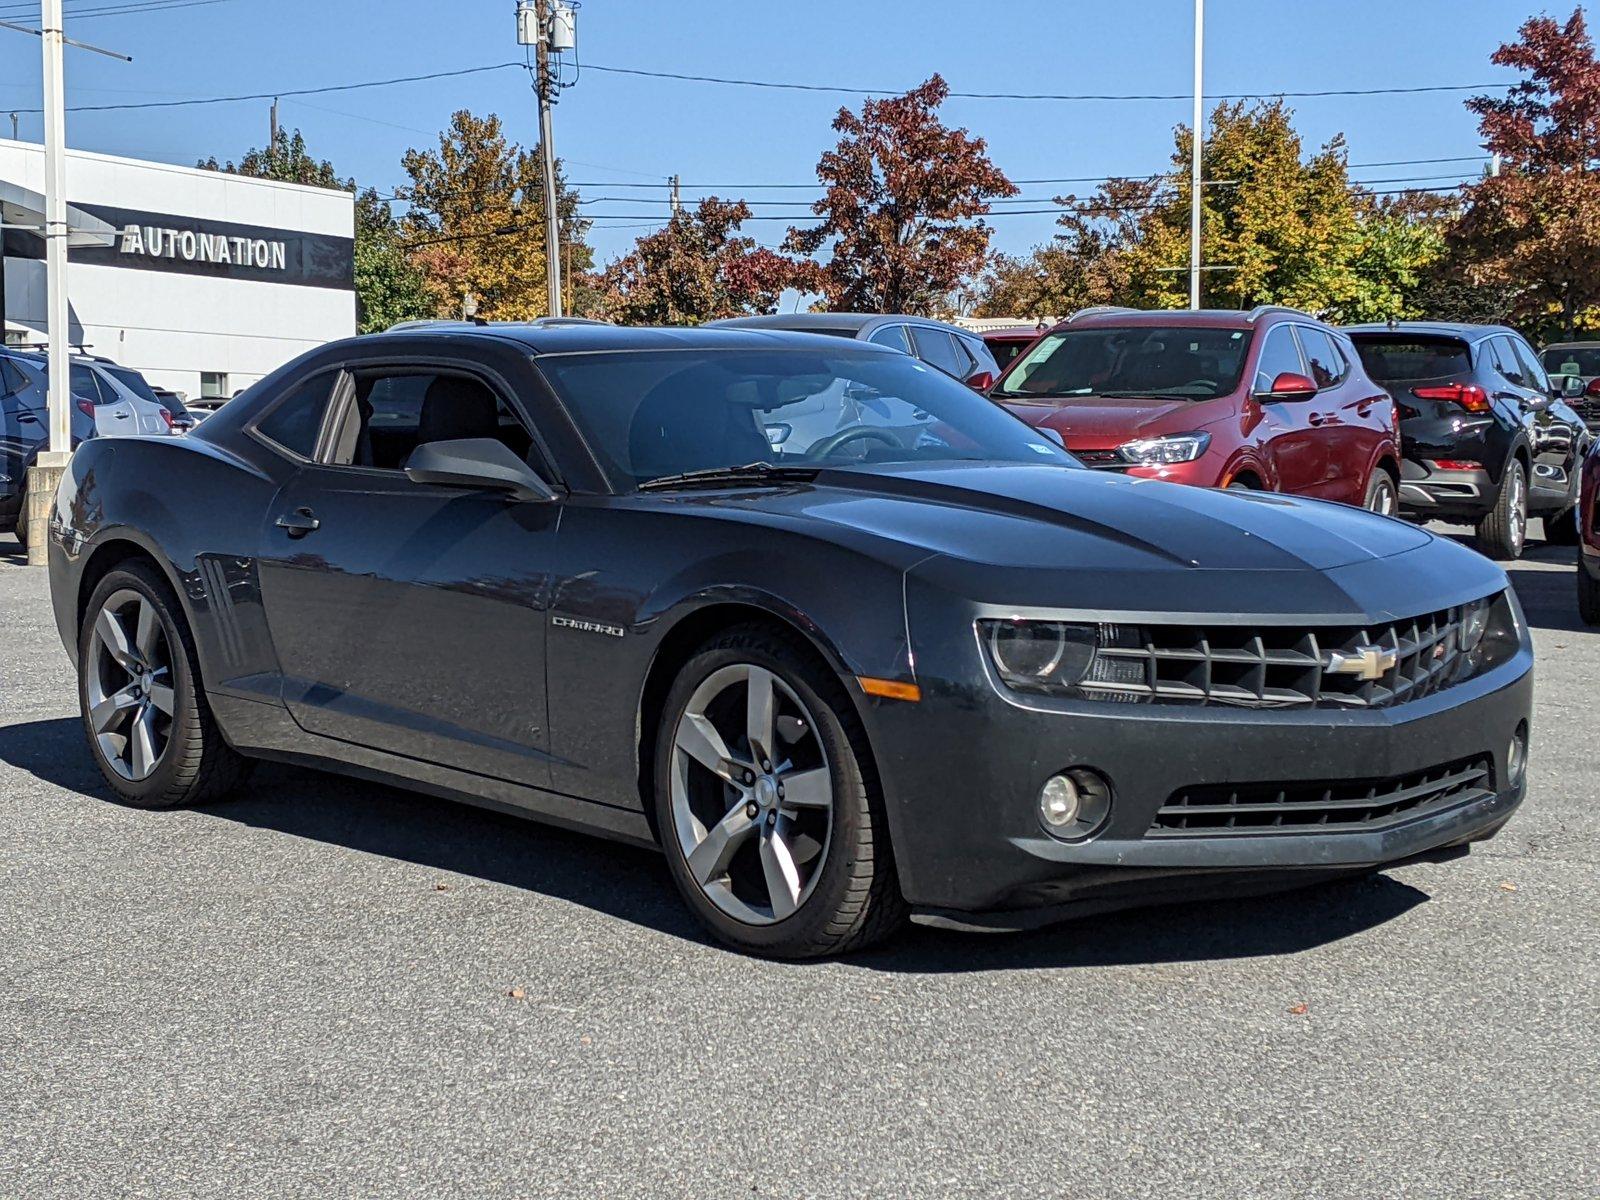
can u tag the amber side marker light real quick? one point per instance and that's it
(889, 689)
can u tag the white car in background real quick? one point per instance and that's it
(117, 398)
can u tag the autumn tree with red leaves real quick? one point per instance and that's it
(698, 269)
(901, 215)
(1535, 228)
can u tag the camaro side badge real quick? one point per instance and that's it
(1367, 662)
(588, 626)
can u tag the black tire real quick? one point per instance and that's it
(855, 900)
(1383, 494)
(1561, 529)
(20, 529)
(196, 764)
(1588, 597)
(1504, 529)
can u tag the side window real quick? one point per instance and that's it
(1532, 371)
(892, 335)
(1323, 361)
(12, 380)
(938, 349)
(294, 421)
(1505, 361)
(397, 410)
(83, 384)
(1279, 354)
(982, 357)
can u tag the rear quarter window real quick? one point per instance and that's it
(1409, 359)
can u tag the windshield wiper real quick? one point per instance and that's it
(756, 473)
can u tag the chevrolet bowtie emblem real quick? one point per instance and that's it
(1367, 662)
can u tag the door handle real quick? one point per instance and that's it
(299, 523)
(27, 417)
(1317, 418)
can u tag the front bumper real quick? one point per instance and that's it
(972, 849)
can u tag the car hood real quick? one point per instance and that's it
(1102, 422)
(1042, 535)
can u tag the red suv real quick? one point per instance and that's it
(1271, 399)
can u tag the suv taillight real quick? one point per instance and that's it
(86, 407)
(1468, 395)
(167, 417)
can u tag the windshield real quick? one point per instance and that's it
(665, 412)
(1170, 361)
(1409, 358)
(1572, 360)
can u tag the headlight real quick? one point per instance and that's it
(1474, 621)
(1039, 656)
(1158, 451)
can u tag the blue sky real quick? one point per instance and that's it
(615, 129)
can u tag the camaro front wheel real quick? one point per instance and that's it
(766, 804)
(146, 718)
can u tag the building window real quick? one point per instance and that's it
(213, 385)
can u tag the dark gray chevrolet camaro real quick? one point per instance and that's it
(839, 635)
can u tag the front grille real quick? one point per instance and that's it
(1102, 460)
(1256, 808)
(1278, 667)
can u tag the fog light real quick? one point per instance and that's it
(1516, 756)
(1059, 801)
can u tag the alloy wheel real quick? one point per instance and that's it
(1382, 500)
(752, 794)
(128, 685)
(1517, 509)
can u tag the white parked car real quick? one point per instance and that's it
(118, 398)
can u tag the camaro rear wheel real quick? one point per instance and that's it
(1504, 528)
(766, 805)
(148, 725)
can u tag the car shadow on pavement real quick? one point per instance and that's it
(632, 884)
(12, 553)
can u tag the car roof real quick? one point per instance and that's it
(1199, 318)
(581, 339)
(1579, 345)
(1459, 329)
(834, 322)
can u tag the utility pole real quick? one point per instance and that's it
(552, 218)
(13, 127)
(676, 201)
(550, 27)
(272, 116)
(1196, 143)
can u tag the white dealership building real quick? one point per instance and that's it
(202, 281)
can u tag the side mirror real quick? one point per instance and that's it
(1291, 385)
(481, 464)
(1572, 387)
(981, 382)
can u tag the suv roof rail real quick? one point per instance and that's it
(1096, 309)
(1262, 310)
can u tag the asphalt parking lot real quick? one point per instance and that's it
(327, 988)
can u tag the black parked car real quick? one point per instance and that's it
(567, 572)
(954, 350)
(1488, 440)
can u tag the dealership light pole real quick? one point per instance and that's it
(46, 473)
(1196, 141)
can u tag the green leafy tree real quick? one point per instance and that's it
(698, 269)
(901, 217)
(389, 286)
(476, 220)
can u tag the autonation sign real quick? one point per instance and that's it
(192, 245)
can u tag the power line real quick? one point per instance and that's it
(113, 10)
(1092, 96)
(285, 92)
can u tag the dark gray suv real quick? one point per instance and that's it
(1487, 438)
